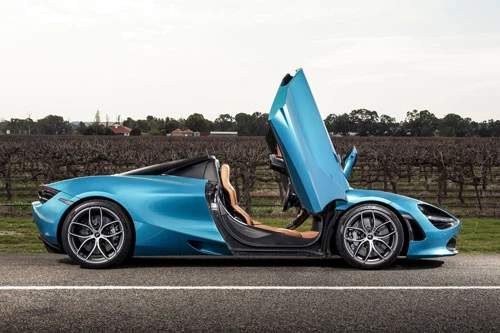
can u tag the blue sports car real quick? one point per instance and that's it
(188, 207)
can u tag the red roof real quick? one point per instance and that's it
(119, 129)
(179, 132)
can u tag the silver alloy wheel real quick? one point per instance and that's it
(371, 236)
(95, 234)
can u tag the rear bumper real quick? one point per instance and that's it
(51, 248)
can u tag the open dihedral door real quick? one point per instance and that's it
(311, 161)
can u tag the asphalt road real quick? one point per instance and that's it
(45, 293)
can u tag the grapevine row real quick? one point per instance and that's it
(456, 172)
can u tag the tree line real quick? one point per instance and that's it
(361, 122)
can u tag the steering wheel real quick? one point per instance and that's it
(291, 199)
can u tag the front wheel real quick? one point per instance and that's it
(97, 234)
(369, 236)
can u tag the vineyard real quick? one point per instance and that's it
(458, 174)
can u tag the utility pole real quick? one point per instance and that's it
(29, 123)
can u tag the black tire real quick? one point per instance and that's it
(369, 236)
(97, 234)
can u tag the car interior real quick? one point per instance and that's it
(243, 217)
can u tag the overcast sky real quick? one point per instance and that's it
(172, 58)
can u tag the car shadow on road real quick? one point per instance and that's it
(336, 263)
(416, 264)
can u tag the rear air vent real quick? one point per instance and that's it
(46, 193)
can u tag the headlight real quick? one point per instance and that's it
(439, 218)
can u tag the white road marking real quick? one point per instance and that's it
(321, 288)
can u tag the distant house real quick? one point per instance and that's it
(179, 132)
(120, 129)
(188, 132)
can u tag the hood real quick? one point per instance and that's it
(312, 163)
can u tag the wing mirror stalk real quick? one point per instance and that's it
(348, 161)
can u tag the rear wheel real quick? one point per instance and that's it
(97, 234)
(369, 236)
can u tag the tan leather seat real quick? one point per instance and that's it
(224, 174)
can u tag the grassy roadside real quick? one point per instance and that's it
(478, 235)
(19, 235)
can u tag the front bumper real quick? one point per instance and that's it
(438, 243)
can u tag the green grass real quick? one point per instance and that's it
(478, 235)
(19, 235)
